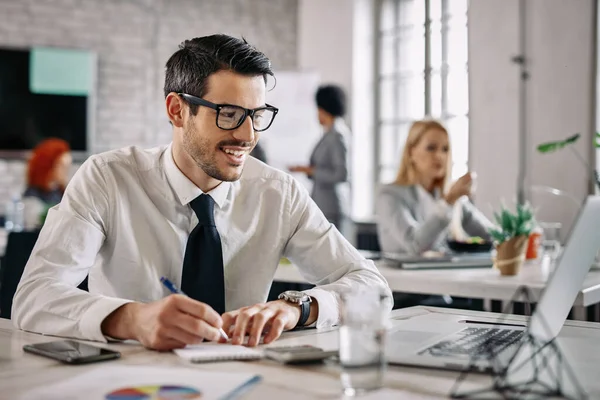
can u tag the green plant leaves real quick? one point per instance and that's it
(549, 147)
(509, 224)
(497, 235)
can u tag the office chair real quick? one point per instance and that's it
(18, 250)
(366, 236)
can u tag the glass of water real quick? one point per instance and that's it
(551, 239)
(362, 334)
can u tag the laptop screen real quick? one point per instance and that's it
(570, 272)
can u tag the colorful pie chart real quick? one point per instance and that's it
(164, 392)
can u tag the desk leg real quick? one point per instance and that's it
(527, 309)
(579, 313)
(596, 313)
(487, 305)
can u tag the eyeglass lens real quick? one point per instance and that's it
(230, 117)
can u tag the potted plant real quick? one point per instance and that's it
(510, 236)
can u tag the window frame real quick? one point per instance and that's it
(429, 73)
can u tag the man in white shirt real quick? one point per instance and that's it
(132, 216)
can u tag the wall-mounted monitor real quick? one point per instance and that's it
(46, 92)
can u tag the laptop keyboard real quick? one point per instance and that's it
(474, 343)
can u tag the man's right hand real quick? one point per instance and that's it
(166, 324)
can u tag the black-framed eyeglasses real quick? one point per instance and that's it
(230, 117)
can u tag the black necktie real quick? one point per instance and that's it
(202, 277)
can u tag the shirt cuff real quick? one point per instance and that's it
(329, 314)
(90, 325)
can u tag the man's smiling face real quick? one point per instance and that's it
(222, 153)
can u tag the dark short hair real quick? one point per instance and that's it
(188, 69)
(332, 99)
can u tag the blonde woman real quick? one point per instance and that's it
(415, 213)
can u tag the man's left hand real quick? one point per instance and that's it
(270, 318)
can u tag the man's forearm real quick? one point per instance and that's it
(120, 323)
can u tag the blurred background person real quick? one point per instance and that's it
(415, 213)
(328, 168)
(48, 173)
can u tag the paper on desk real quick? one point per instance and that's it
(106, 378)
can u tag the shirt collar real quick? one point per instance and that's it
(185, 189)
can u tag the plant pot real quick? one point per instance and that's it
(510, 255)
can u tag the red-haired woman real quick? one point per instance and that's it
(47, 177)
(48, 171)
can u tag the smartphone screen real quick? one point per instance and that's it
(72, 352)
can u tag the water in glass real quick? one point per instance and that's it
(362, 337)
(361, 358)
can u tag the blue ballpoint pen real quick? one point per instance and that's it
(173, 289)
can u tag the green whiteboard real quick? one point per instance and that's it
(61, 71)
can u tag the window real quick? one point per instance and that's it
(421, 71)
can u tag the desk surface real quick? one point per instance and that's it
(484, 283)
(20, 372)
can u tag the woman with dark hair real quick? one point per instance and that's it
(47, 177)
(328, 167)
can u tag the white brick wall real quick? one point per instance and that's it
(12, 180)
(133, 39)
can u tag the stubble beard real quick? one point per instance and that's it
(199, 149)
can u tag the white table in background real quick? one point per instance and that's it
(3, 240)
(480, 283)
(20, 372)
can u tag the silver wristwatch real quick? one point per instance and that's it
(301, 299)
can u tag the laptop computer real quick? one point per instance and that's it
(462, 260)
(460, 346)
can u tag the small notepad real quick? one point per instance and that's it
(207, 352)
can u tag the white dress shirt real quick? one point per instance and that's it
(125, 219)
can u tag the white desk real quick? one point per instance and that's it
(481, 283)
(21, 371)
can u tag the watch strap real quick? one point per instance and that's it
(304, 313)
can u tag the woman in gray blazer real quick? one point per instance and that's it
(328, 167)
(416, 213)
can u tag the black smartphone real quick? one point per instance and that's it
(71, 352)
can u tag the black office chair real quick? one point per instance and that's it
(366, 236)
(18, 250)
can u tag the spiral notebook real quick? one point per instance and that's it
(211, 351)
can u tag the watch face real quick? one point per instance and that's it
(295, 295)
